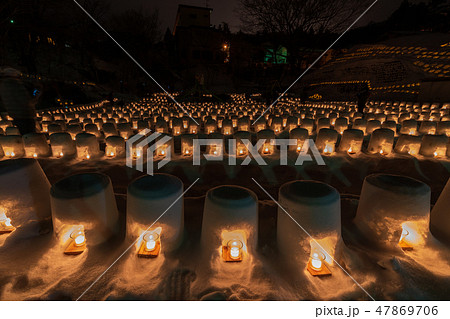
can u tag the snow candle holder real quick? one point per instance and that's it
(230, 221)
(148, 198)
(25, 200)
(299, 134)
(87, 146)
(351, 141)
(84, 211)
(326, 141)
(12, 146)
(36, 145)
(317, 207)
(434, 146)
(408, 144)
(381, 142)
(115, 147)
(392, 209)
(62, 145)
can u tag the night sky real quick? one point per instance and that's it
(224, 10)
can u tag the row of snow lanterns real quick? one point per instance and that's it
(87, 146)
(77, 216)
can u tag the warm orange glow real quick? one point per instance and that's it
(233, 246)
(410, 236)
(5, 223)
(150, 243)
(76, 242)
(110, 151)
(328, 149)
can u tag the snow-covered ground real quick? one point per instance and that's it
(36, 268)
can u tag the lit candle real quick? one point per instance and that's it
(328, 149)
(316, 262)
(150, 241)
(78, 237)
(235, 246)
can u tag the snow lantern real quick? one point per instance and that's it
(360, 124)
(227, 127)
(381, 142)
(428, 127)
(393, 211)
(12, 146)
(307, 124)
(74, 130)
(210, 126)
(326, 140)
(24, 196)
(125, 130)
(408, 144)
(315, 206)
(434, 146)
(92, 129)
(276, 125)
(187, 144)
(243, 124)
(300, 135)
(109, 129)
(84, 211)
(409, 127)
(323, 122)
(351, 141)
(115, 147)
(241, 147)
(87, 146)
(230, 223)
(268, 148)
(62, 145)
(54, 128)
(155, 214)
(443, 128)
(340, 125)
(440, 216)
(372, 125)
(35, 145)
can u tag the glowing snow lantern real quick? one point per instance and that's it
(326, 140)
(317, 207)
(381, 141)
(84, 211)
(234, 210)
(434, 145)
(5, 223)
(408, 144)
(149, 197)
(299, 134)
(12, 146)
(187, 144)
(110, 151)
(392, 210)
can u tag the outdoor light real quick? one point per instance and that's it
(77, 241)
(439, 152)
(150, 245)
(5, 223)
